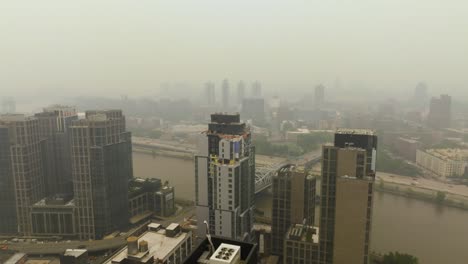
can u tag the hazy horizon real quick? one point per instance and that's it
(57, 48)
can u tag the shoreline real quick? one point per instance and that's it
(408, 191)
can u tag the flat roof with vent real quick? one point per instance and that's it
(226, 253)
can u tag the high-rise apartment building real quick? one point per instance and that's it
(225, 178)
(210, 93)
(101, 167)
(225, 94)
(440, 112)
(293, 203)
(21, 160)
(256, 89)
(240, 92)
(319, 95)
(54, 123)
(348, 173)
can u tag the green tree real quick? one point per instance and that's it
(440, 196)
(399, 258)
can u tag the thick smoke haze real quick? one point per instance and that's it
(108, 48)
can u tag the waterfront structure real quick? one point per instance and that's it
(156, 245)
(225, 94)
(348, 175)
(440, 115)
(21, 172)
(301, 244)
(101, 167)
(54, 123)
(54, 216)
(210, 93)
(293, 203)
(443, 162)
(319, 95)
(256, 89)
(225, 178)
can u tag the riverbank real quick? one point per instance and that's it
(437, 197)
(163, 153)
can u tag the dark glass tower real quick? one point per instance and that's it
(101, 168)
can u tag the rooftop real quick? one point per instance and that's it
(15, 258)
(303, 233)
(449, 154)
(349, 131)
(74, 252)
(159, 245)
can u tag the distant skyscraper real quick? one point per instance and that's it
(101, 168)
(254, 109)
(21, 145)
(225, 93)
(54, 123)
(256, 89)
(210, 93)
(440, 112)
(8, 105)
(225, 178)
(420, 96)
(319, 95)
(348, 173)
(293, 202)
(240, 92)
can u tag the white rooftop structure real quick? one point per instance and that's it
(225, 254)
(76, 253)
(157, 245)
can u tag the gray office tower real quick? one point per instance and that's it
(348, 175)
(210, 93)
(240, 92)
(225, 94)
(21, 172)
(256, 89)
(319, 95)
(54, 123)
(101, 168)
(225, 178)
(293, 203)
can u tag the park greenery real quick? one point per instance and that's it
(142, 132)
(390, 164)
(305, 143)
(399, 258)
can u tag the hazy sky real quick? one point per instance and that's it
(68, 47)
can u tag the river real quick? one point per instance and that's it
(434, 234)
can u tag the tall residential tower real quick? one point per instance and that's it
(101, 167)
(225, 178)
(293, 203)
(21, 173)
(348, 174)
(54, 123)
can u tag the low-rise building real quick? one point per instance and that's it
(156, 245)
(54, 216)
(443, 162)
(74, 256)
(301, 244)
(407, 147)
(148, 197)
